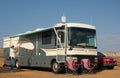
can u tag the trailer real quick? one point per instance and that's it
(49, 47)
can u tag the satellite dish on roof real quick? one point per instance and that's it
(63, 19)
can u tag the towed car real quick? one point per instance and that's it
(104, 61)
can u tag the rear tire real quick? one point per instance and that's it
(55, 67)
(4, 65)
(17, 65)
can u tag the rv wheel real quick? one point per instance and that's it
(17, 64)
(55, 67)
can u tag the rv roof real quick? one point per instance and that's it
(80, 25)
(32, 32)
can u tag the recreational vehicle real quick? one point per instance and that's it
(49, 47)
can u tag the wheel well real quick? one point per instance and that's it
(53, 60)
(16, 60)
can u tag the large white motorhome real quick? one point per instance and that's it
(49, 47)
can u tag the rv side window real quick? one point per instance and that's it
(46, 37)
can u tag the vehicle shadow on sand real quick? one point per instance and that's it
(7, 70)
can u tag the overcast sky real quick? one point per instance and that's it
(17, 16)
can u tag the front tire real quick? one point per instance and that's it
(55, 67)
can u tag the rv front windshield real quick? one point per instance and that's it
(81, 37)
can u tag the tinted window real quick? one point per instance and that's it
(82, 37)
(46, 37)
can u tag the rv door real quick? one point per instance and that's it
(60, 46)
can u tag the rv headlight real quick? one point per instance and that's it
(96, 59)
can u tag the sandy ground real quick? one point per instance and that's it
(42, 73)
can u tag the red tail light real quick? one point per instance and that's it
(104, 60)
